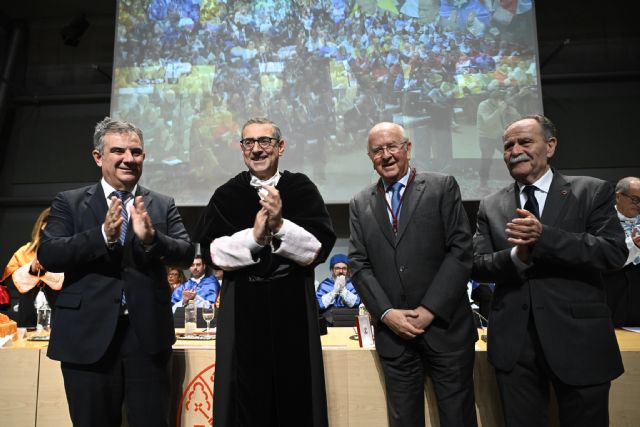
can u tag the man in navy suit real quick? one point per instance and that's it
(545, 241)
(410, 255)
(112, 326)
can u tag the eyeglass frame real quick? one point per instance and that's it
(634, 199)
(379, 151)
(261, 140)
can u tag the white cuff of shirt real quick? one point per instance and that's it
(296, 243)
(520, 266)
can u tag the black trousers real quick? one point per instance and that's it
(525, 392)
(452, 377)
(125, 374)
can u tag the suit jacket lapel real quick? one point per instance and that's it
(97, 201)
(557, 197)
(411, 198)
(381, 214)
(146, 196)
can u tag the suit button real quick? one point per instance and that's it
(402, 268)
(525, 306)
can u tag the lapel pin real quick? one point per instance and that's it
(564, 192)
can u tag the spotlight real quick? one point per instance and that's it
(73, 31)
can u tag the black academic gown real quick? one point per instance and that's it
(268, 318)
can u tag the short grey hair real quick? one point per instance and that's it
(109, 125)
(277, 134)
(548, 128)
(625, 183)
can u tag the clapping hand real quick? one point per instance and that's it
(524, 232)
(113, 220)
(141, 222)
(635, 237)
(272, 203)
(339, 284)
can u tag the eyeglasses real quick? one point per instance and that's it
(634, 199)
(392, 148)
(263, 142)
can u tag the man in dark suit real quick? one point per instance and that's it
(112, 326)
(549, 322)
(623, 286)
(410, 255)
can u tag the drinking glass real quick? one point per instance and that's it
(208, 314)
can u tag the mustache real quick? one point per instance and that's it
(520, 158)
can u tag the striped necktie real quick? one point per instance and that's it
(124, 197)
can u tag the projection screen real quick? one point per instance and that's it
(453, 72)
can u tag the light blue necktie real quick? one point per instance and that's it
(395, 197)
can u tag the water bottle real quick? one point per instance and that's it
(190, 312)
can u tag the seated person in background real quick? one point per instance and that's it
(337, 291)
(30, 278)
(219, 274)
(175, 277)
(200, 288)
(480, 294)
(623, 286)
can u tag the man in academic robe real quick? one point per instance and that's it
(267, 230)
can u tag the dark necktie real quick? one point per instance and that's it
(124, 197)
(532, 203)
(395, 197)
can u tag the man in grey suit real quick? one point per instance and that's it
(410, 254)
(549, 322)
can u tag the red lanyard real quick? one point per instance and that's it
(394, 215)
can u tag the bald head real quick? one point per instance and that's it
(386, 127)
(389, 150)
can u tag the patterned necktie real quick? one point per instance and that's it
(532, 203)
(395, 197)
(124, 197)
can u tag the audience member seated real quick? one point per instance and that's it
(30, 278)
(480, 295)
(337, 291)
(219, 274)
(175, 277)
(623, 286)
(200, 288)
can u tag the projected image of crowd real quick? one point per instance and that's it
(190, 71)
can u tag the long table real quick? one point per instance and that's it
(32, 391)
